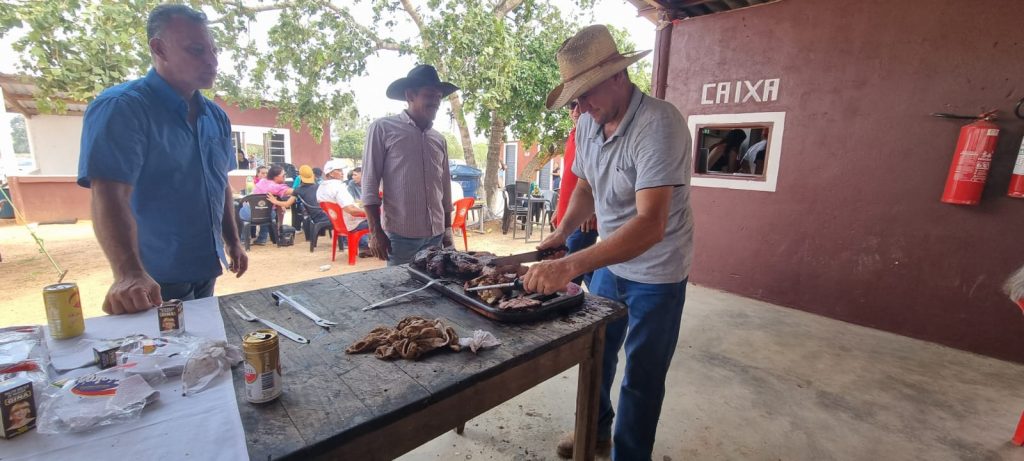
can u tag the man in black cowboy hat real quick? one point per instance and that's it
(405, 171)
(633, 162)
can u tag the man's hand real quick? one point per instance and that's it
(590, 224)
(239, 261)
(447, 239)
(380, 244)
(554, 240)
(132, 293)
(548, 276)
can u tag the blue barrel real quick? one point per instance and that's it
(6, 210)
(468, 177)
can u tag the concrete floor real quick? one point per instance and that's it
(751, 380)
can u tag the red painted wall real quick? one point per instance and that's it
(305, 148)
(855, 230)
(50, 198)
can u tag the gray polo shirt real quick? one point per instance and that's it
(651, 148)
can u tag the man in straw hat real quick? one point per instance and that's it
(633, 162)
(410, 159)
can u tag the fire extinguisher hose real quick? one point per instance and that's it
(990, 115)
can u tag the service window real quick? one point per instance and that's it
(732, 151)
(737, 151)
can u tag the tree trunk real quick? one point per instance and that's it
(538, 161)
(492, 187)
(460, 121)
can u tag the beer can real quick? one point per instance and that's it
(262, 366)
(171, 315)
(63, 310)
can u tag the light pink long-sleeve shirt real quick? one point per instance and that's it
(412, 165)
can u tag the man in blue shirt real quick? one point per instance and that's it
(156, 154)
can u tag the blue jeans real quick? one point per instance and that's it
(187, 291)
(364, 241)
(245, 214)
(403, 249)
(579, 241)
(650, 332)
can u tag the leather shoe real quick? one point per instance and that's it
(568, 442)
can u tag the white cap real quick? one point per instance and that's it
(333, 164)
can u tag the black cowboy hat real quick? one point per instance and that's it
(420, 76)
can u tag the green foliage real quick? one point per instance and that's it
(76, 48)
(349, 137)
(19, 135)
(480, 153)
(640, 72)
(500, 52)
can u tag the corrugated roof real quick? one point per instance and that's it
(20, 96)
(670, 10)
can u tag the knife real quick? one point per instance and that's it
(531, 256)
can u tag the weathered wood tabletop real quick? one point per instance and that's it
(341, 406)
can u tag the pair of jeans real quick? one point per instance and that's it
(403, 249)
(187, 291)
(364, 241)
(579, 241)
(650, 332)
(245, 214)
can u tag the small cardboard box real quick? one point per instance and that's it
(17, 407)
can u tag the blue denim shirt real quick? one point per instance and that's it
(138, 133)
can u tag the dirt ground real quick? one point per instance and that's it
(24, 270)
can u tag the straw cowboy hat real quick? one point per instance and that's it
(586, 59)
(420, 76)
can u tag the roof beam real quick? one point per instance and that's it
(28, 97)
(18, 107)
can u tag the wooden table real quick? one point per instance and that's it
(340, 406)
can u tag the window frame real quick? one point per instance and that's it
(776, 123)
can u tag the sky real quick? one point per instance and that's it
(387, 66)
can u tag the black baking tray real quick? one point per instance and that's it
(553, 304)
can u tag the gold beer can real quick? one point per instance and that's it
(262, 368)
(63, 310)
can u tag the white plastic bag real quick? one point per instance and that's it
(98, 399)
(481, 339)
(208, 359)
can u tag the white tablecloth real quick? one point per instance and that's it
(204, 426)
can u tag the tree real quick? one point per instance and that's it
(500, 52)
(553, 145)
(19, 135)
(76, 49)
(348, 137)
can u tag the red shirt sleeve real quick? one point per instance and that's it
(569, 178)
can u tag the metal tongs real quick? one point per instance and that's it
(516, 284)
(250, 317)
(283, 298)
(381, 303)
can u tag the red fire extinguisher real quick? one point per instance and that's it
(1016, 189)
(971, 160)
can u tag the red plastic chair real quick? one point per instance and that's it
(462, 207)
(334, 212)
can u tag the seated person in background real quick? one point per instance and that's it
(355, 183)
(275, 190)
(753, 159)
(307, 192)
(724, 155)
(243, 162)
(261, 173)
(318, 174)
(273, 183)
(334, 189)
